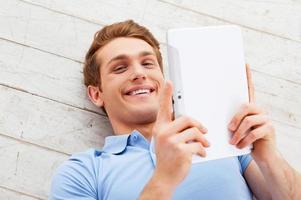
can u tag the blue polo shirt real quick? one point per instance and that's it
(126, 163)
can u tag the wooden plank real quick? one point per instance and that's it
(266, 53)
(46, 75)
(288, 141)
(99, 11)
(49, 124)
(12, 195)
(278, 17)
(280, 98)
(43, 29)
(279, 109)
(27, 168)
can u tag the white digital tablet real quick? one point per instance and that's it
(207, 68)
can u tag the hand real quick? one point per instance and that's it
(250, 125)
(175, 142)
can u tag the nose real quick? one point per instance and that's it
(138, 72)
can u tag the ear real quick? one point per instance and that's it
(95, 95)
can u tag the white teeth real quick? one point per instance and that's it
(140, 91)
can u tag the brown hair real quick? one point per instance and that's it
(102, 37)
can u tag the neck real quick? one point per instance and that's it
(144, 129)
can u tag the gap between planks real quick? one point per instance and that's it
(227, 21)
(60, 102)
(22, 141)
(172, 4)
(21, 193)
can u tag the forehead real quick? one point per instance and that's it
(122, 46)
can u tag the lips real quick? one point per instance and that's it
(139, 89)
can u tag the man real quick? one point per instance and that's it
(123, 75)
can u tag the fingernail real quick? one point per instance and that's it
(203, 129)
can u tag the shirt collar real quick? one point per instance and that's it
(116, 144)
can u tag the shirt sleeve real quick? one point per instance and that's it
(244, 161)
(76, 178)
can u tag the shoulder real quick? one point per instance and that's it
(77, 176)
(88, 158)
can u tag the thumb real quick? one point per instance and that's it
(165, 101)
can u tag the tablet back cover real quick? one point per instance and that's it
(207, 68)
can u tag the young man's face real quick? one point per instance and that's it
(130, 81)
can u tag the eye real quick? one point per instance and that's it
(120, 68)
(148, 63)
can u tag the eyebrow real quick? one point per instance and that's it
(124, 56)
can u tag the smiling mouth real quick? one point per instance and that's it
(140, 92)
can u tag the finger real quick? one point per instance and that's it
(244, 110)
(183, 122)
(252, 136)
(195, 148)
(248, 122)
(165, 101)
(192, 135)
(250, 84)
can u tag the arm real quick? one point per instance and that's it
(175, 143)
(155, 188)
(274, 174)
(256, 182)
(251, 126)
(284, 181)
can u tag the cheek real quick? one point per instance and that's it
(113, 81)
(158, 76)
(113, 85)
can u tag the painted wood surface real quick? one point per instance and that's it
(45, 114)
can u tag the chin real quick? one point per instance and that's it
(144, 116)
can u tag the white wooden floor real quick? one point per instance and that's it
(44, 112)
